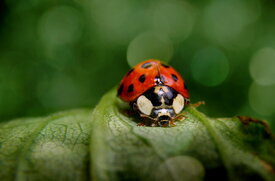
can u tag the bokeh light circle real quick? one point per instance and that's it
(210, 67)
(261, 98)
(262, 66)
(60, 25)
(174, 18)
(117, 22)
(149, 45)
(224, 21)
(182, 168)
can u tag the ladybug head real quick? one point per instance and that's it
(160, 103)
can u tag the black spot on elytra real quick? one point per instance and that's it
(175, 78)
(131, 88)
(120, 89)
(130, 71)
(142, 78)
(165, 66)
(184, 85)
(146, 65)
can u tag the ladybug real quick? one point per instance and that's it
(156, 91)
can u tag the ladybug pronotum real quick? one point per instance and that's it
(156, 91)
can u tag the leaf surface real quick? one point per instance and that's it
(198, 148)
(50, 148)
(107, 144)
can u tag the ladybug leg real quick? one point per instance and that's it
(172, 124)
(181, 116)
(154, 124)
(198, 104)
(141, 124)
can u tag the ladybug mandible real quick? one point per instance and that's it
(156, 91)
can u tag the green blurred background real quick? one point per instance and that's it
(57, 54)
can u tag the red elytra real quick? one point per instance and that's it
(148, 74)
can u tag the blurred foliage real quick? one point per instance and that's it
(56, 55)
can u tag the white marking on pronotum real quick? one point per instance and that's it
(144, 105)
(162, 101)
(163, 112)
(178, 103)
(158, 89)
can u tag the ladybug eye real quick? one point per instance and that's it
(178, 103)
(144, 105)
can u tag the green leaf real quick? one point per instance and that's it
(198, 148)
(50, 148)
(107, 144)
